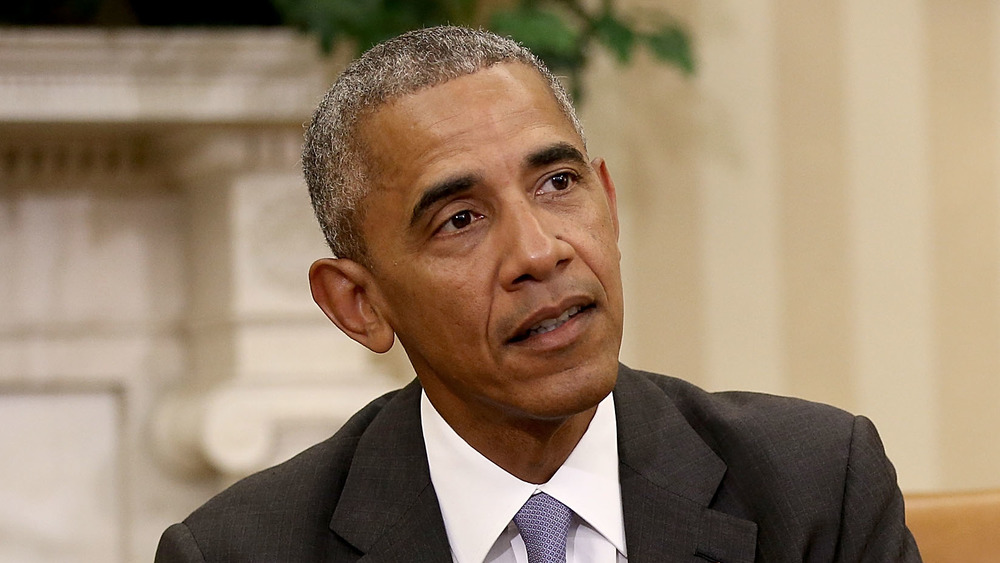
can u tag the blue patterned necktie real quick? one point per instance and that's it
(543, 522)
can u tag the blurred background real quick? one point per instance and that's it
(809, 196)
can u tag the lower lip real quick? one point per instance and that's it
(566, 334)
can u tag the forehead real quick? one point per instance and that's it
(492, 113)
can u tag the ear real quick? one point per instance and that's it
(601, 168)
(346, 292)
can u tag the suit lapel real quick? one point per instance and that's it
(668, 479)
(388, 509)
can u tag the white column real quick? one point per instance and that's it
(890, 197)
(154, 238)
(739, 187)
(263, 356)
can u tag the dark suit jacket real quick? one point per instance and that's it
(733, 477)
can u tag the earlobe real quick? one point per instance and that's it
(601, 167)
(343, 290)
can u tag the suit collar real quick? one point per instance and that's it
(669, 476)
(387, 508)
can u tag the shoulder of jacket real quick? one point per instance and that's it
(769, 428)
(741, 408)
(311, 477)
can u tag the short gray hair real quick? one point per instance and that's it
(333, 159)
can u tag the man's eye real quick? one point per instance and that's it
(558, 182)
(460, 220)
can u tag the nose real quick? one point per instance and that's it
(533, 250)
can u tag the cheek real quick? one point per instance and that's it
(603, 255)
(466, 301)
(603, 236)
(450, 301)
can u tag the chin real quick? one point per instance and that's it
(576, 391)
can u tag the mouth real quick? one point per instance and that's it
(550, 324)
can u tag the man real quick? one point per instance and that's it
(451, 178)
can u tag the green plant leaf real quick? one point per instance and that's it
(560, 32)
(618, 37)
(328, 20)
(458, 12)
(671, 44)
(544, 32)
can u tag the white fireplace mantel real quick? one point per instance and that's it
(187, 76)
(155, 235)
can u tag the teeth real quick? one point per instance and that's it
(552, 324)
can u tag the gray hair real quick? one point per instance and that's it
(333, 159)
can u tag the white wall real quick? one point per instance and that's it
(814, 213)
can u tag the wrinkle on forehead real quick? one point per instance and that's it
(491, 119)
(510, 82)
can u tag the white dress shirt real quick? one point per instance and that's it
(478, 499)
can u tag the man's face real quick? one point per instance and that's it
(493, 248)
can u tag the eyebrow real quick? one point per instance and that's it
(442, 190)
(557, 152)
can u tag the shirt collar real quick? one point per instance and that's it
(465, 482)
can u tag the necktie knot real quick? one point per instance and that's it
(544, 522)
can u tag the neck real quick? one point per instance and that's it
(530, 449)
